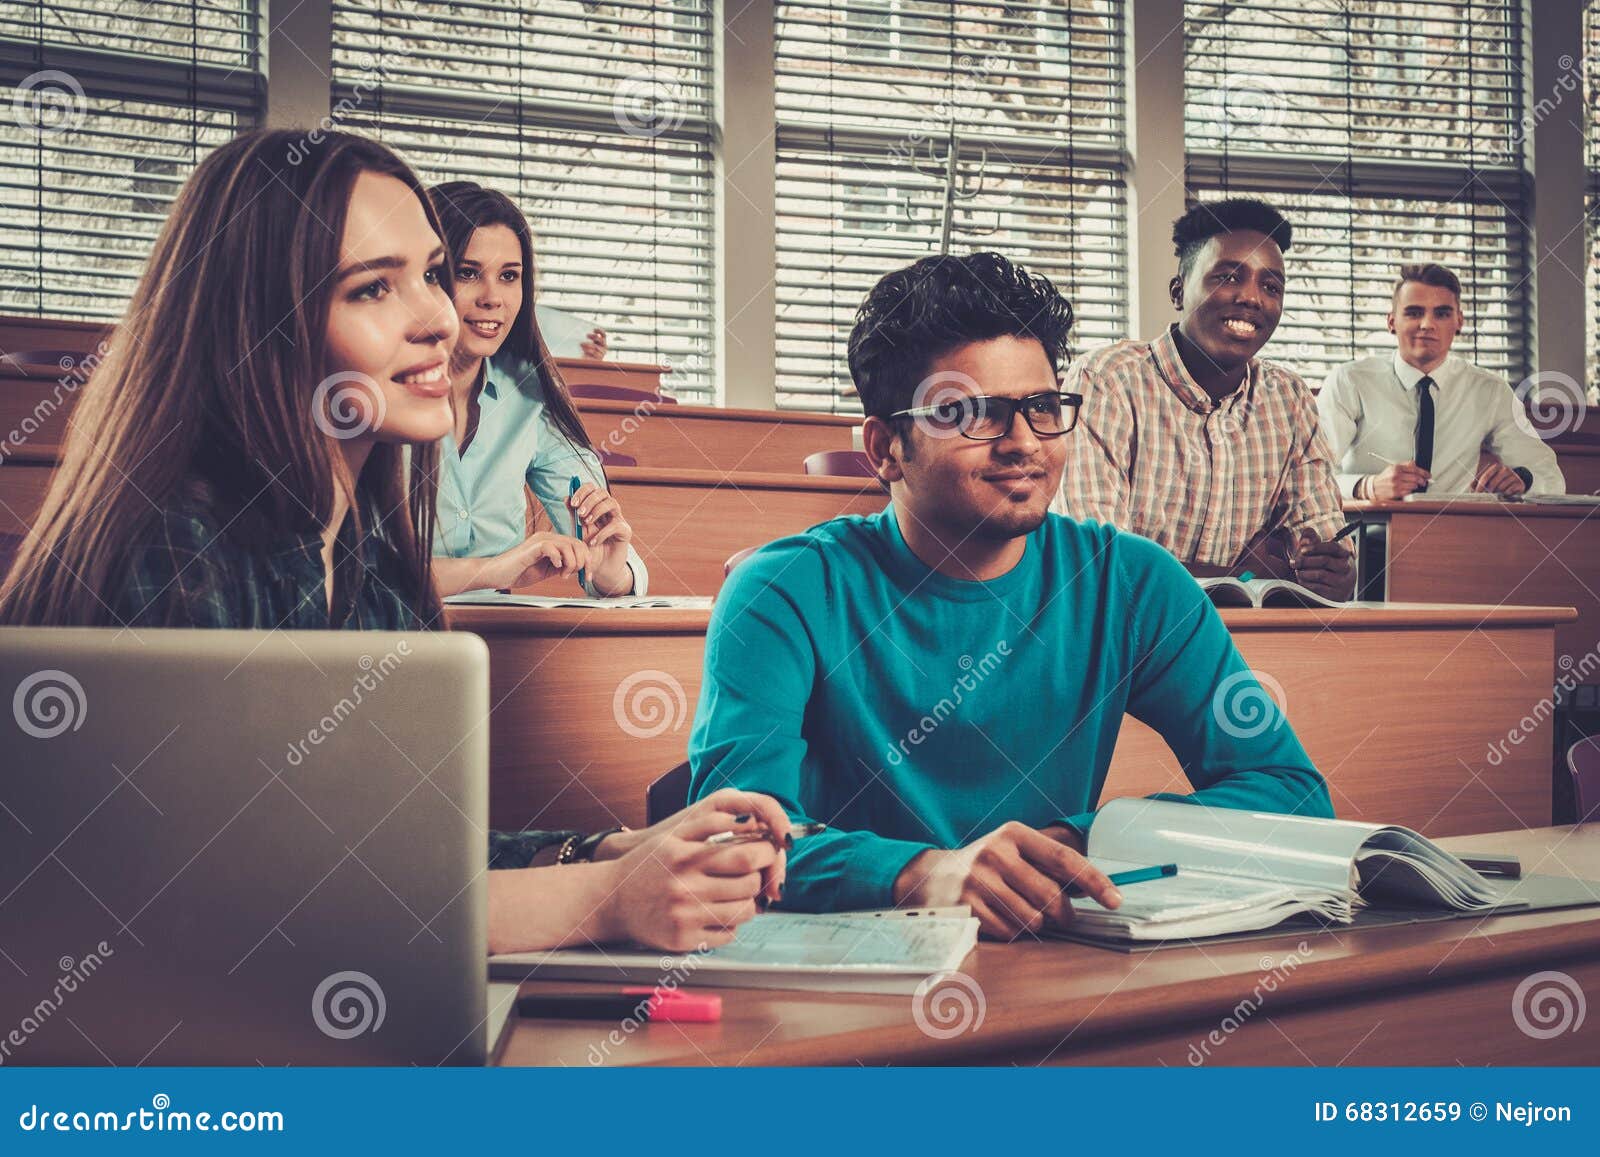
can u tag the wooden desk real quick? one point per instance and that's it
(23, 482)
(1580, 465)
(671, 437)
(714, 438)
(590, 706)
(1426, 994)
(1495, 554)
(687, 523)
(34, 409)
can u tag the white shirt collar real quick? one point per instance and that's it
(1409, 375)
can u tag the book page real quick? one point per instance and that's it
(1258, 845)
(564, 333)
(1226, 591)
(1190, 894)
(1284, 593)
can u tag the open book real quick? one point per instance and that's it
(891, 951)
(1240, 871)
(621, 603)
(1227, 591)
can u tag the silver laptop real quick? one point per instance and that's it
(242, 847)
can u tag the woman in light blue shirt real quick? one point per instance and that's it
(515, 425)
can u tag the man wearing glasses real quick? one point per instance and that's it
(943, 683)
(1191, 441)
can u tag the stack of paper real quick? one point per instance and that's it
(1456, 496)
(1193, 904)
(1397, 866)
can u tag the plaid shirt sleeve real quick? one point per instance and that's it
(1310, 499)
(179, 577)
(1094, 485)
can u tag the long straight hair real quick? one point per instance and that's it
(210, 382)
(466, 206)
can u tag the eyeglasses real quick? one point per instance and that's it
(986, 418)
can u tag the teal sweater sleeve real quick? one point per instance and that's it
(1189, 682)
(749, 726)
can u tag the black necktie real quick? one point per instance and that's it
(1424, 424)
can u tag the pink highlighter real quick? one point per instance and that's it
(643, 1004)
(679, 1007)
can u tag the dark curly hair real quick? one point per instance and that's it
(1209, 218)
(925, 310)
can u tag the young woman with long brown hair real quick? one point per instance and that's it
(515, 424)
(237, 460)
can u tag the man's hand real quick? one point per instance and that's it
(1323, 567)
(1396, 482)
(1014, 879)
(1497, 479)
(1265, 556)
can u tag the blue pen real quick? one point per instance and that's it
(577, 526)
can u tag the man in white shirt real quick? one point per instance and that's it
(1418, 419)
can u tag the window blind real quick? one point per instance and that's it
(595, 118)
(867, 94)
(1387, 135)
(113, 108)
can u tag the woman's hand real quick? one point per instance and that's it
(594, 345)
(676, 892)
(538, 557)
(607, 535)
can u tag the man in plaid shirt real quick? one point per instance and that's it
(1192, 441)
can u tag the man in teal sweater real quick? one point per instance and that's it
(943, 683)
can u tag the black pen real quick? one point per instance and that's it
(1345, 531)
(1349, 529)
